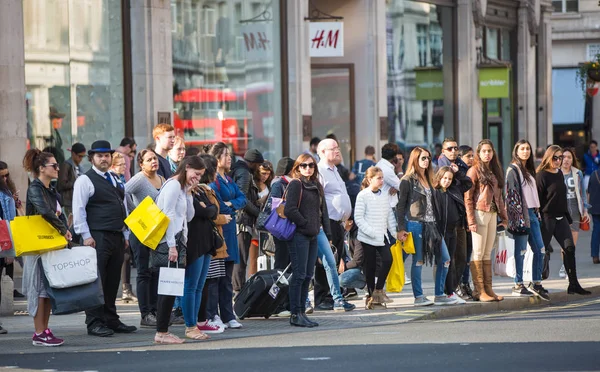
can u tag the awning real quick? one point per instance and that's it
(568, 102)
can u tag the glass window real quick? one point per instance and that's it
(73, 73)
(415, 37)
(227, 74)
(565, 6)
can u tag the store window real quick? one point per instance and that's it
(565, 6)
(417, 74)
(227, 74)
(73, 73)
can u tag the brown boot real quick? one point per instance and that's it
(479, 293)
(487, 281)
(378, 298)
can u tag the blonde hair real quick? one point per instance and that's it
(370, 173)
(116, 156)
(178, 139)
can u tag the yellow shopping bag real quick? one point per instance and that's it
(148, 223)
(395, 278)
(34, 235)
(409, 244)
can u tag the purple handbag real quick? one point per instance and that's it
(277, 224)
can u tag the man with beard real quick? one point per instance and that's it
(98, 214)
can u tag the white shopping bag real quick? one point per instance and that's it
(528, 265)
(504, 262)
(170, 281)
(68, 268)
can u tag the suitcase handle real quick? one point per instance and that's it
(283, 273)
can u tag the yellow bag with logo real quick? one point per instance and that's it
(409, 244)
(148, 223)
(34, 235)
(395, 278)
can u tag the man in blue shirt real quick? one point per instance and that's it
(361, 166)
(591, 159)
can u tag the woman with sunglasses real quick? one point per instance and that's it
(42, 200)
(305, 206)
(522, 205)
(554, 207)
(484, 203)
(417, 214)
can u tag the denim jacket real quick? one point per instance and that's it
(9, 212)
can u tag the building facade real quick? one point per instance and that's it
(272, 74)
(575, 39)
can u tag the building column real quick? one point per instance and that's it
(13, 127)
(544, 76)
(152, 65)
(526, 78)
(299, 88)
(468, 103)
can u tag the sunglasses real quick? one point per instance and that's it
(556, 158)
(53, 165)
(452, 148)
(307, 165)
(423, 158)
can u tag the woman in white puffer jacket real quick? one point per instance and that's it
(375, 218)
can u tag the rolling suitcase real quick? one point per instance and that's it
(262, 294)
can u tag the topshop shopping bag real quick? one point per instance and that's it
(504, 262)
(170, 281)
(395, 278)
(148, 223)
(34, 235)
(70, 267)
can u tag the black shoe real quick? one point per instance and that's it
(520, 290)
(122, 328)
(3, 331)
(177, 317)
(298, 320)
(350, 293)
(100, 331)
(314, 324)
(17, 294)
(325, 306)
(577, 289)
(539, 291)
(148, 321)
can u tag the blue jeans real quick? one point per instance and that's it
(328, 260)
(537, 246)
(595, 235)
(443, 262)
(303, 255)
(195, 276)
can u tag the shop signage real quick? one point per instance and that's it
(429, 84)
(257, 41)
(494, 82)
(326, 39)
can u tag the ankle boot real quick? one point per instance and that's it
(127, 294)
(479, 294)
(571, 268)
(487, 281)
(314, 324)
(298, 320)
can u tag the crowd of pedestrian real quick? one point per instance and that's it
(448, 205)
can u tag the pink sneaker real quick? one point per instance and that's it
(210, 328)
(46, 339)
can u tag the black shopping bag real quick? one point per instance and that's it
(74, 299)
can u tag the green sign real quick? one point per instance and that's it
(430, 85)
(494, 82)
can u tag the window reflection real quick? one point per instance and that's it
(73, 72)
(226, 72)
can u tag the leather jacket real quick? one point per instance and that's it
(480, 197)
(42, 201)
(412, 203)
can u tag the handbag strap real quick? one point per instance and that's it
(286, 190)
(514, 168)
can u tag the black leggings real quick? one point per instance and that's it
(370, 265)
(164, 307)
(561, 230)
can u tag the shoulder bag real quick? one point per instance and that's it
(277, 223)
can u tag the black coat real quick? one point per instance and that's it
(200, 228)
(306, 207)
(42, 201)
(451, 204)
(242, 176)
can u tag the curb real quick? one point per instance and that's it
(509, 304)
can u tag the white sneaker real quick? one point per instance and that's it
(459, 300)
(562, 273)
(283, 314)
(234, 324)
(445, 300)
(218, 322)
(407, 279)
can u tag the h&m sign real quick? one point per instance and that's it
(326, 39)
(258, 41)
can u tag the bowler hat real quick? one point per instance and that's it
(100, 146)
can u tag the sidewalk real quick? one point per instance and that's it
(72, 327)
